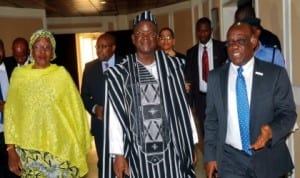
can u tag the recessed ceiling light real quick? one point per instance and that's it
(103, 2)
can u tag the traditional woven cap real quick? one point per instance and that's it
(144, 16)
(42, 33)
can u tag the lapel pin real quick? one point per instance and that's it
(259, 73)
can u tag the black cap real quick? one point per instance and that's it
(253, 21)
(144, 16)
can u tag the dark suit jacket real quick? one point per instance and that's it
(269, 39)
(272, 103)
(10, 64)
(192, 71)
(92, 89)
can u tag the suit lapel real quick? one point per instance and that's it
(224, 87)
(258, 79)
(216, 54)
(195, 64)
(100, 69)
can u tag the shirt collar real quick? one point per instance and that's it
(248, 67)
(260, 47)
(2, 66)
(208, 44)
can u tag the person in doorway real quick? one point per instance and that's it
(206, 55)
(93, 90)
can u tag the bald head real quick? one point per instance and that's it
(105, 46)
(20, 50)
(240, 25)
(109, 37)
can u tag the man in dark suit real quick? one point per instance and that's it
(196, 83)
(20, 56)
(245, 136)
(92, 91)
(267, 38)
(20, 51)
(6, 69)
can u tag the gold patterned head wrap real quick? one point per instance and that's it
(42, 34)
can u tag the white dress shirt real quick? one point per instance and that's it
(110, 62)
(4, 85)
(233, 137)
(209, 48)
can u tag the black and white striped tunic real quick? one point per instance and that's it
(155, 118)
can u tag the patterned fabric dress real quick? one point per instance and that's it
(154, 116)
(39, 164)
(44, 114)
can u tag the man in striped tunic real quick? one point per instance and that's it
(151, 130)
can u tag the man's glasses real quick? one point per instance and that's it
(145, 34)
(239, 42)
(102, 46)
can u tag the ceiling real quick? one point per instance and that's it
(83, 8)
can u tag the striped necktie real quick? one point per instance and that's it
(243, 110)
(205, 68)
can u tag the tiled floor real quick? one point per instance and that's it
(93, 171)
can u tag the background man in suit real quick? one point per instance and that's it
(5, 73)
(92, 91)
(266, 37)
(20, 52)
(272, 55)
(250, 141)
(195, 80)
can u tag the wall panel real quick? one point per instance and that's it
(183, 28)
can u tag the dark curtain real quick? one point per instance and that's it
(124, 42)
(66, 54)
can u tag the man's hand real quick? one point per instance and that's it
(195, 159)
(263, 138)
(14, 162)
(211, 167)
(99, 111)
(188, 87)
(121, 166)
